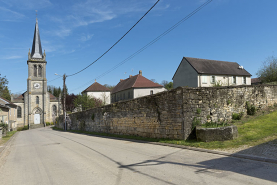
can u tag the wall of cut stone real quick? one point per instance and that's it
(171, 114)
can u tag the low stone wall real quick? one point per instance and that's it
(216, 134)
(171, 114)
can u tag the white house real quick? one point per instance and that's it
(98, 91)
(8, 113)
(134, 87)
(195, 72)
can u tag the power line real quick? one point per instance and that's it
(116, 41)
(150, 43)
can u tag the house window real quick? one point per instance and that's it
(244, 80)
(35, 70)
(19, 112)
(129, 95)
(39, 71)
(151, 92)
(234, 80)
(204, 79)
(55, 110)
(37, 100)
(212, 79)
(124, 96)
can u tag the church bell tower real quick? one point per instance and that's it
(36, 82)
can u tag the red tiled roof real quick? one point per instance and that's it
(137, 81)
(52, 97)
(255, 80)
(96, 87)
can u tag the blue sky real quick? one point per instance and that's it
(75, 33)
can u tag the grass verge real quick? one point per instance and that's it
(253, 130)
(7, 137)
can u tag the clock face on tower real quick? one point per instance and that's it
(36, 85)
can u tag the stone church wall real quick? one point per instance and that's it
(171, 114)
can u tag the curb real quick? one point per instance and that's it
(242, 156)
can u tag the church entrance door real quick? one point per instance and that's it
(37, 119)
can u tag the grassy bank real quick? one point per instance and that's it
(253, 130)
(7, 137)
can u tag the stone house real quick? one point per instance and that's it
(8, 113)
(195, 72)
(36, 106)
(134, 87)
(98, 91)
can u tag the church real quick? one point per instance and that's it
(36, 106)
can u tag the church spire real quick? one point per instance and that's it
(36, 48)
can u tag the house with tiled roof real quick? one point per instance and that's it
(8, 113)
(256, 81)
(134, 87)
(98, 91)
(195, 72)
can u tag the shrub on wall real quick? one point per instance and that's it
(237, 116)
(251, 109)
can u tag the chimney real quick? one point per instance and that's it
(121, 80)
(95, 80)
(140, 72)
(130, 76)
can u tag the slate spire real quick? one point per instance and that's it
(36, 48)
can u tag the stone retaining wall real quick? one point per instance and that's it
(171, 114)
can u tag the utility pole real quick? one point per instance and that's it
(64, 98)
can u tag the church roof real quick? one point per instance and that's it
(36, 48)
(96, 87)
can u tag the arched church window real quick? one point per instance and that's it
(39, 71)
(35, 70)
(37, 100)
(19, 112)
(55, 110)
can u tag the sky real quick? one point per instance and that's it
(75, 33)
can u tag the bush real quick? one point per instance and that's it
(4, 127)
(251, 109)
(237, 116)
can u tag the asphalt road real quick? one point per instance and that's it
(44, 156)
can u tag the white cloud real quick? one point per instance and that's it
(27, 4)
(12, 57)
(86, 37)
(9, 15)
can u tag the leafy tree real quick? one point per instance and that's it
(84, 102)
(109, 86)
(4, 91)
(69, 102)
(268, 71)
(167, 85)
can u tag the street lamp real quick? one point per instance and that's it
(64, 97)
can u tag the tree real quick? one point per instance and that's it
(69, 104)
(4, 91)
(56, 91)
(84, 102)
(268, 70)
(167, 85)
(109, 86)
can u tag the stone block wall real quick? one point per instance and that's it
(171, 114)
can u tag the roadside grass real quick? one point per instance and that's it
(7, 137)
(253, 130)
